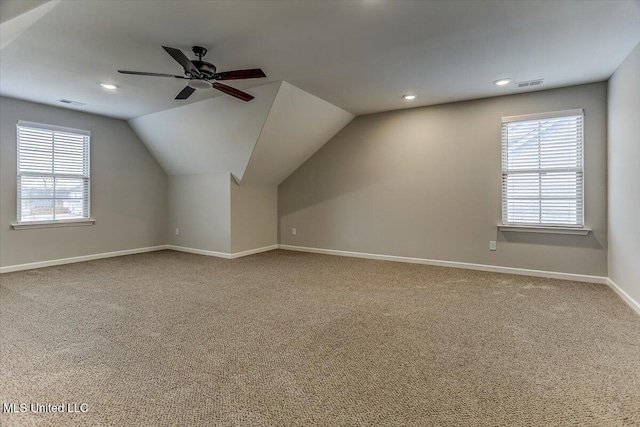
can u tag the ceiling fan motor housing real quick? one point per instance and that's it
(206, 69)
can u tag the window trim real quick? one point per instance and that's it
(66, 222)
(582, 231)
(53, 224)
(577, 229)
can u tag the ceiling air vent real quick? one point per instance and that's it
(68, 102)
(530, 83)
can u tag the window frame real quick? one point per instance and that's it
(534, 226)
(64, 222)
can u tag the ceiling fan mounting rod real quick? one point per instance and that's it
(199, 51)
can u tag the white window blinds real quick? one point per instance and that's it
(542, 169)
(53, 173)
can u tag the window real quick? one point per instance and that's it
(53, 173)
(542, 169)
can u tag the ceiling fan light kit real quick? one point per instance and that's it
(199, 84)
(200, 73)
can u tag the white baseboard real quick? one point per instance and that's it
(222, 254)
(625, 296)
(199, 251)
(254, 251)
(454, 264)
(61, 261)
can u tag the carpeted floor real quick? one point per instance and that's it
(285, 338)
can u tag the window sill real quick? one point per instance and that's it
(52, 224)
(543, 229)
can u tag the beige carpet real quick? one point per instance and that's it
(286, 338)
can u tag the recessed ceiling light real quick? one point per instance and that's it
(109, 86)
(409, 97)
(502, 82)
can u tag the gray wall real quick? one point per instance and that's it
(254, 217)
(213, 213)
(425, 183)
(128, 190)
(199, 206)
(624, 175)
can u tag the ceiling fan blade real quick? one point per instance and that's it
(232, 91)
(183, 60)
(142, 73)
(185, 93)
(254, 73)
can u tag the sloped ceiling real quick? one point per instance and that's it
(213, 135)
(260, 142)
(297, 126)
(17, 16)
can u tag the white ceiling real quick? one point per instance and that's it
(297, 125)
(260, 143)
(216, 134)
(359, 55)
(16, 17)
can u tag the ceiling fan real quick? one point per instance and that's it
(202, 75)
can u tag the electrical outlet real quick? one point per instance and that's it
(177, 231)
(294, 231)
(492, 245)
